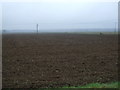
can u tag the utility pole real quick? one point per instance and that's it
(115, 28)
(37, 28)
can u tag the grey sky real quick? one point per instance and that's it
(59, 15)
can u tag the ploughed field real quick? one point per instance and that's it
(57, 60)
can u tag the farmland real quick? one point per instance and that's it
(58, 59)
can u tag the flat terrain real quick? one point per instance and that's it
(57, 60)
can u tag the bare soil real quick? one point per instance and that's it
(57, 60)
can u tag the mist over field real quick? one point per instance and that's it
(54, 44)
(60, 17)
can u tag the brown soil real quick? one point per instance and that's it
(56, 60)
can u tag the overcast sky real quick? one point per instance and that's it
(54, 15)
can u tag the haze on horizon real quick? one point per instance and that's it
(60, 16)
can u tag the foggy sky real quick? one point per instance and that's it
(53, 16)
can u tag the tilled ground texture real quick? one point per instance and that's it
(57, 60)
